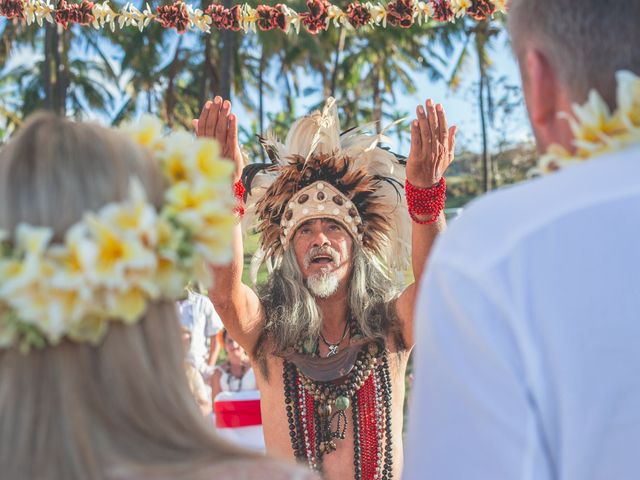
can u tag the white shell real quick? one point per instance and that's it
(354, 229)
(305, 211)
(320, 186)
(348, 219)
(336, 211)
(291, 205)
(320, 207)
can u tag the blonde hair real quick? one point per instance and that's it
(77, 411)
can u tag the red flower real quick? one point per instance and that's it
(224, 18)
(270, 17)
(174, 16)
(316, 19)
(358, 14)
(481, 9)
(81, 13)
(442, 11)
(12, 9)
(400, 13)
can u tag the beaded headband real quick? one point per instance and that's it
(115, 261)
(320, 200)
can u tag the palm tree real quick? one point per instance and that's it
(478, 38)
(378, 64)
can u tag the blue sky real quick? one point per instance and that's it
(460, 105)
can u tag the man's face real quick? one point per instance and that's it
(323, 251)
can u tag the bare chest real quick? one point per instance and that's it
(285, 417)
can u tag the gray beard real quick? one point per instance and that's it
(323, 285)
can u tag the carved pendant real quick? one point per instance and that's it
(333, 350)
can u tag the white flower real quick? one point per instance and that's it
(628, 97)
(147, 131)
(117, 254)
(18, 274)
(75, 262)
(133, 217)
(177, 157)
(459, 7)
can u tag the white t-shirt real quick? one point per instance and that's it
(528, 334)
(198, 315)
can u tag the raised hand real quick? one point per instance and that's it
(217, 121)
(432, 146)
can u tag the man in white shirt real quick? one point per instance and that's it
(528, 321)
(199, 317)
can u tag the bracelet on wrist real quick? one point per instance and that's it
(428, 201)
(238, 192)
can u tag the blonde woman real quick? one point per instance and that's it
(119, 408)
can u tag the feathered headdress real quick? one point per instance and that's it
(321, 173)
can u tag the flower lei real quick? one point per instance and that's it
(321, 14)
(596, 129)
(116, 260)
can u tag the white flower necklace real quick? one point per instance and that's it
(596, 129)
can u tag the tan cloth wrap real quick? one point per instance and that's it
(320, 200)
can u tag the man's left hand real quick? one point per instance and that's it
(432, 146)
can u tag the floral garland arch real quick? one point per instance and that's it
(320, 14)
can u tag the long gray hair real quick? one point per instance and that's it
(293, 315)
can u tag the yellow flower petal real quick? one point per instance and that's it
(127, 305)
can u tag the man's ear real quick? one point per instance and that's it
(544, 98)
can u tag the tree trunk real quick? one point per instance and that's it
(226, 59)
(173, 71)
(261, 98)
(47, 76)
(205, 81)
(54, 71)
(377, 97)
(483, 122)
(336, 62)
(62, 72)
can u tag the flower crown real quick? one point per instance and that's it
(596, 129)
(116, 260)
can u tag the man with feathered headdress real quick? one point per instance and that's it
(330, 334)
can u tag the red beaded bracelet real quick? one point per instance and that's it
(238, 192)
(426, 201)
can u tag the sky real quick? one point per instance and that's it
(460, 105)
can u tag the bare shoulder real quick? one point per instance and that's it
(259, 470)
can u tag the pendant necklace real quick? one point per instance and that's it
(333, 347)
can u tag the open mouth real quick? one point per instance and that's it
(322, 260)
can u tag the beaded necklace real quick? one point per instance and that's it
(230, 375)
(316, 413)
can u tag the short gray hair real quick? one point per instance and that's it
(586, 41)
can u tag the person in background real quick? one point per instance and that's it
(199, 389)
(236, 398)
(235, 374)
(528, 319)
(199, 317)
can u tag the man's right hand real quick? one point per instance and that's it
(217, 121)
